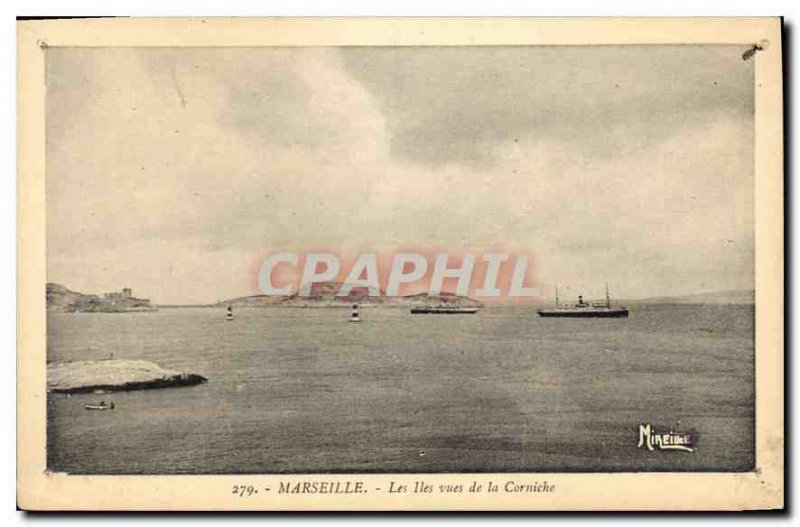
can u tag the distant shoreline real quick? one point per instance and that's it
(641, 302)
(60, 298)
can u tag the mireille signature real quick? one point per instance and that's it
(651, 439)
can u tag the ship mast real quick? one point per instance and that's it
(608, 298)
(557, 305)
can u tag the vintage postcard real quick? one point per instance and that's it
(400, 264)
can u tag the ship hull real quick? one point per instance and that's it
(429, 311)
(606, 313)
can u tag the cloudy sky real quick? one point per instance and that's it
(176, 171)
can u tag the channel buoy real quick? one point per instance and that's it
(229, 316)
(354, 316)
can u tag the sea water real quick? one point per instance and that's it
(303, 391)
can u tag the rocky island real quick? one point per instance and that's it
(114, 376)
(60, 298)
(324, 294)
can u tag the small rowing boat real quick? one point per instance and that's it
(101, 406)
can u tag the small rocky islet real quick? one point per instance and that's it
(114, 376)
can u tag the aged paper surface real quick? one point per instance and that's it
(205, 205)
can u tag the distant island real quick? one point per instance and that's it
(716, 297)
(323, 294)
(60, 298)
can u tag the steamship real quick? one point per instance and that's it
(585, 309)
(443, 309)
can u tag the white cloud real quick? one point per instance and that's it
(176, 171)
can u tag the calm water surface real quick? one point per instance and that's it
(302, 390)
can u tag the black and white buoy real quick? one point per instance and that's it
(354, 316)
(229, 316)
